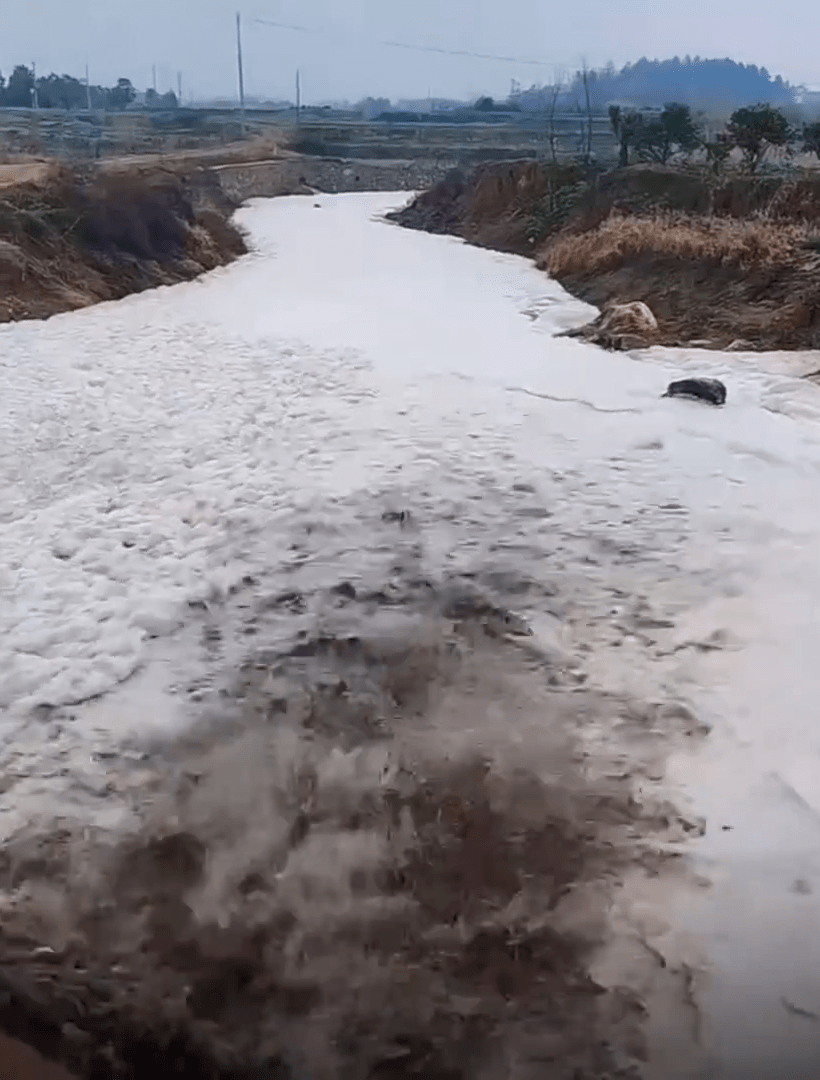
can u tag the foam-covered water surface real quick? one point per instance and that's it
(202, 472)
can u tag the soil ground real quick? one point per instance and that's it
(748, 273)
(24, 169)
(23, 173)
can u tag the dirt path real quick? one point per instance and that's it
(24, 173)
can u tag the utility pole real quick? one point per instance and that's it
(298, 97)
(34, 99)
(588, 149)
(179, 87)
(241, 75)
(87, 89)
(154, 73)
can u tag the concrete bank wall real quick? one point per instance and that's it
(265, 179)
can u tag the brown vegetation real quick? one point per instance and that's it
(495, 206)
(718, 241)
(73, 238)
(714, 258)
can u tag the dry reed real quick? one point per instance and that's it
(717, 241)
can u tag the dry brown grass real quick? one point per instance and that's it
(716, 241)
(708, 240)
(716, 258)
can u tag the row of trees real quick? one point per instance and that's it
(23, 90)
(700, 83)
(755, 130)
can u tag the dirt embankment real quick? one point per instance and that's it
(717, 261)
(74, 238)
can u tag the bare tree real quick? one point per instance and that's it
(587, 149)
(555, 93)
(629, 126)
(718, 151)
(582, 131)
(811, 139)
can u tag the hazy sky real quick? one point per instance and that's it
(346, 57)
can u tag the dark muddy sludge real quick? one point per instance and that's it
(390, 860)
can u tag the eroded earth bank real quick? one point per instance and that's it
(722, 261)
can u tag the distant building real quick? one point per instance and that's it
(809, 99)
(430, 105)
(370, 108)
(422, 105)
(624, 104)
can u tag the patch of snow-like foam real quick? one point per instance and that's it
(151, 441)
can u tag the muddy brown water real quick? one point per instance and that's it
(20, 1062)
(385, 852)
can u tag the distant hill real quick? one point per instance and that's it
(703, 84)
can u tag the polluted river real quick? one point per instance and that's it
(393, 689)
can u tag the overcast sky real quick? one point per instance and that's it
(346, 57)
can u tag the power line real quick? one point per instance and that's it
(290, 26)
(415, 48)
(464, 52)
